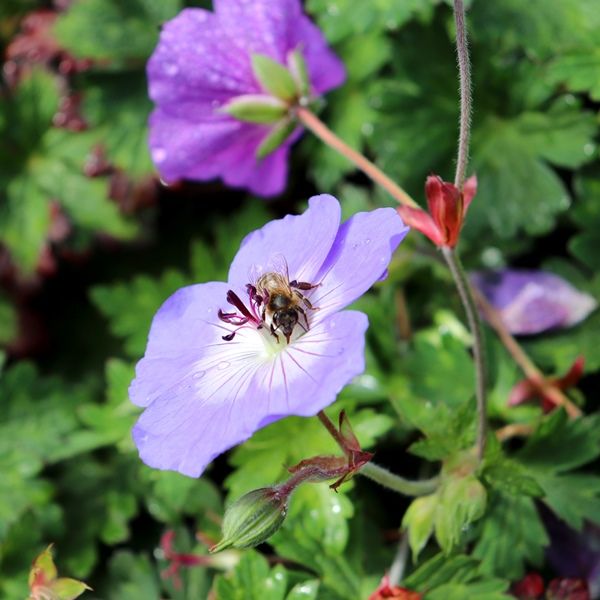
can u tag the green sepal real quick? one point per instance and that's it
(274, 77)
(419, 520)
(256, 108)
(253, 518)
(65, 588)
(299, 72)
(462, 500)
(275, 138)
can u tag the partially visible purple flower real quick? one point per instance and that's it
(531, 302)
(202, 63)
(217, 367)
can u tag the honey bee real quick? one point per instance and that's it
(282, 300)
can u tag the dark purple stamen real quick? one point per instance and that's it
(234, 318)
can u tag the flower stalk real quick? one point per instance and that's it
(533, 374)
(464, 72)
(314, 124)
(465, 292)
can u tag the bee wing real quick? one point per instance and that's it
(278, 264)
(254, 274)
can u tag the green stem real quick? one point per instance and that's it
(406, 487)
(468, 300)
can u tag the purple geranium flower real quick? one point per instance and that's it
(203, 61)
(530, 302)
(225, 359)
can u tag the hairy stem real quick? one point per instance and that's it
(399, 565)
(406, 487)
(464, 71)
(466, 295)
(314, 124)
(382, 476)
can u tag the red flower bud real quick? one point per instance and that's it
(447, 210)
(527, 389)
(395, 592)
(568, 589)
(531, 587)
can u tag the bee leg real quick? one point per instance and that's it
(303, 285)
(303, 313)
(306, 301)
(274, 333)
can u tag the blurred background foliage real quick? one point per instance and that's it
(91, 244)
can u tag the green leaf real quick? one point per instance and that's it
(447, 429)
(344, 18)
(172, 496)
(440, 570)
(273, 77)
(300, 543)
(455, 577)
(113, 30)
(252, 580)
(540, 28)
(117, 107)
(560, 444)
(586, 213)
(512, 536)
(40, 164)
(132, 577)
(511, 477)
(112, 421)
(516, 187)
(484, 590)
(574, 498)
(131, 306)
(577, 70)
(307, 590)
(8, 321)
(437, 357)
(120, 508)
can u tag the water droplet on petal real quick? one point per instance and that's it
(159, 154)
(367, 241)
(223, 365)
(199, 374)
(171, 69)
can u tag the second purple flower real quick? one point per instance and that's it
(208, 65)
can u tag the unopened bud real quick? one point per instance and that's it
(253, 518)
